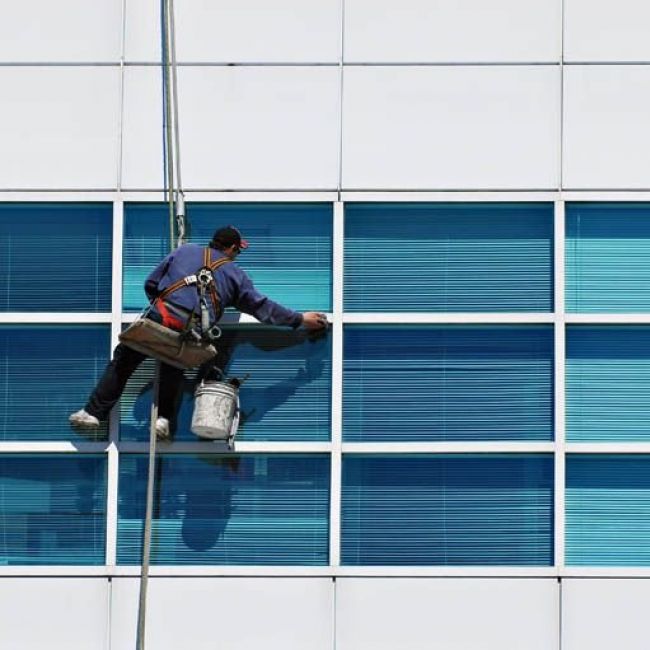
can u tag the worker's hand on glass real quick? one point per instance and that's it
(314, 320)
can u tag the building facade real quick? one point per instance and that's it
(464, 461)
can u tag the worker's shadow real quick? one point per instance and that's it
(212, 488)
(239, 354)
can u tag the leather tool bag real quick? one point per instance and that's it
(164, 344)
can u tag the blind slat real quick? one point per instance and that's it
(447, 510)
(434, 383)
(69, 242)
(436, 257)
(261, 509)
(52, 509)
(289, 259)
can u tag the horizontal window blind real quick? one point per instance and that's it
(52, 509)
(608, 510)
(447, 510)
(46, 373)
(253, 509)
(55, 257)
(430, 383)
(607, 252)
(608, 383)
(286, 398)
(454, 257)
(289, 259)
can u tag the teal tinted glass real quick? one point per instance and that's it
(253, 509)
(289, 259)
(430, 383)
(447, 510)
(286, 397)
(454, 257)
(52, 509)
(607, 253)
(46, 373)
(71, 243)
(608, 510)
(607, 383)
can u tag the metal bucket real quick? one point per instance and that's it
(216, 411)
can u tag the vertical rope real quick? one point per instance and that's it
(170, 124)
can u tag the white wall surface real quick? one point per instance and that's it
(59, 127)
(605, 614)
(469, 127)
(450, 614)
(420, 31)
(241, 127)
(281, 31)
(53, 614)
(606, 127)
(604, 30)
(232, 613)
(60, 31)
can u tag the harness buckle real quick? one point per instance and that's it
(190, 279)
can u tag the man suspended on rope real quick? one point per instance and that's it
(176, 303)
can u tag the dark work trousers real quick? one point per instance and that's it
(112, 382)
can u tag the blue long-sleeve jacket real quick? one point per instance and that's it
(235, 288)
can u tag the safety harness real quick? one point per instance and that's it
(206, 286)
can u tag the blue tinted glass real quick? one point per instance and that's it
(607, 253)
(289, 259)
(286, 397)
(422, 382)
(423, 257)
(253, 509)
(52, 509)
(71, 243)
(608, 383)
(608, 510)
(447, 510)
(46, 373)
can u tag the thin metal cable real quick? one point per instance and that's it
(168, 159)
(179, 195)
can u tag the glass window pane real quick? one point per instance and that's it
(455, 257)
(71, 243)
(607, 253)
(286, 397)
(289, 259)
(46, 373)
(253, 509)
(430, 383)
(608, 510)
(608, 383)
(447, 510)
(52, 509)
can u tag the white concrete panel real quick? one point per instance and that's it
(454, 614)
(59, 127)
(606, 30)
(240, 128)
(474, 127)
(237, 613)
(606, 127)
(605, 614)
(53, 613)
(142, 134)
(214, 31)
(61, 31)
(420, 31)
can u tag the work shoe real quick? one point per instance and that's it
(162, 429)
(83, 420)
